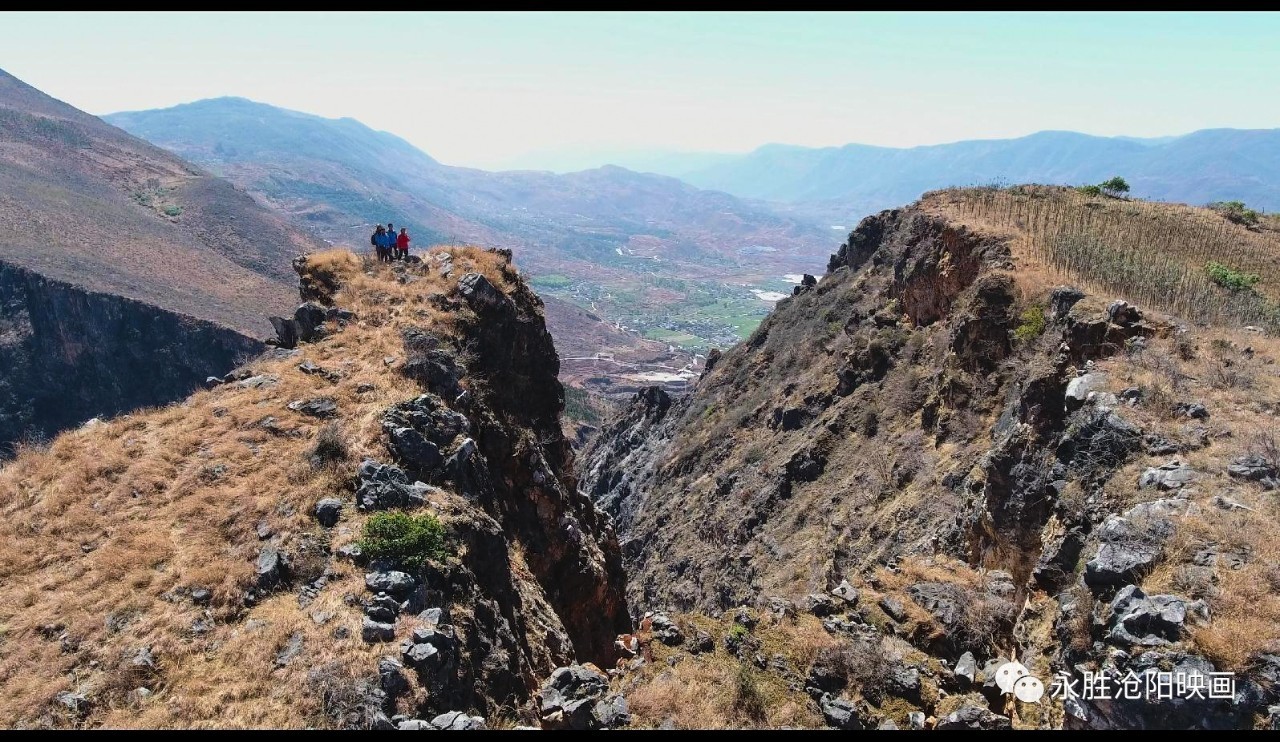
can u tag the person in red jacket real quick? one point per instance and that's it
(402, 244)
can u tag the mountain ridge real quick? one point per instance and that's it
(1184, 168)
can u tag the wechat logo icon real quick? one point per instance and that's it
(1014, 678)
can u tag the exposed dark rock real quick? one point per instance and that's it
(893, 608)
(383, 486)
(328, 511)
(272, 568)
(321, 407)
(391, 581)
(1172, 475)
(1097, 441)
(1127, 550)
(972, 716)
(666, 630)
(1255, 468)
(577, 697)
(839, 713)
(1193, 410)
(1061, 300)
(375, 631)
(1139, 619)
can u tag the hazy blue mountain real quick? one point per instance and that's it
(653, 252)
(1208, 165)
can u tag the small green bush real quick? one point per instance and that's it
(1116, 186)
(1236, 211)
(410, 540)
(1090, 190)
(172, 210)
(1229, 278)
(1031, 324)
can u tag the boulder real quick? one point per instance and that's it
(309, 319)
(846, 592)
(666, 630)
(383, 608)
(328, 511)
(383, 486)
(75, 703)
(839, 713)
(893, 608)
(412, 449)
(1255, 468)
(966, 670)
(375, 631)
(1127, 551)
(1078, 389)
(458, 721)
(1172, 475)
(271, 566)
(576, 697)
(390, 581)
(1146, 621)
(973, 716)
(321, 407)
(819, 605)
(1193, 410)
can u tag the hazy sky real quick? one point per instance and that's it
(497, 89)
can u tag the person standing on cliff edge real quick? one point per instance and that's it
(402, 243)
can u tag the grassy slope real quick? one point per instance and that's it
(115, 520)
(86, 203)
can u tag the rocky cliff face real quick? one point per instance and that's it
(67, 355)
(377, 528)
(949, 466)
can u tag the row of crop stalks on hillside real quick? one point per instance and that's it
(1189, 262)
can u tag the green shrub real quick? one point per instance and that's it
(1090, 190)
(406, 539)
(1116, 186)
(1229, 278)
(737, 633)
(172, 210)
(1031, 324)
(1236, 211)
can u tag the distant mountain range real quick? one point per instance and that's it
(857, 179)
(649, 251)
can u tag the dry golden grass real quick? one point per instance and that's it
(1151, 253)
(705, 691)
(114, 520)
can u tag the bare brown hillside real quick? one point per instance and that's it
(85, 203)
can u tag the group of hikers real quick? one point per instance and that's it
(389, 245)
